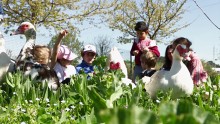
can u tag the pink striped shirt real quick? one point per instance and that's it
(196, 69)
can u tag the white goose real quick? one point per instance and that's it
(6, 65)
(115, 61)
(25, 54)
(25, 60)
(178, 79)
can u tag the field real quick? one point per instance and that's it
(103, 99)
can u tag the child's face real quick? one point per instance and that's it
(89, 57)
(142, 34)
(65, 62)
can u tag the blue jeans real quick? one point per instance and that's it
(137, 72)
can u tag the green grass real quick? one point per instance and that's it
(103, 99)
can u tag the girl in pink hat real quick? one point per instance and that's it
(61, 60)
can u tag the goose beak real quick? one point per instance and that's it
(182, 50)
(183, 46)
(16, 32)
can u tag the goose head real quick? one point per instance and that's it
(180, 52)
(27, 29)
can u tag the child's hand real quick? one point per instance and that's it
(63, 33)
(135, 52)
(145, 50)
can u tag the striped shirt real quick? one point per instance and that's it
(196, 69)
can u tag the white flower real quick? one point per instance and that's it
(63, 101)
(214, 87)
(55, 104)
(4, 109)
(37, 99)
(30, 101)
(206, 95)
(80, 103)
(72, 106)
(73, 118)
(23, 110)
(14, 93)
(67, 109)
(47, 100)
(23, 123)
(18, 106)
(157, 101)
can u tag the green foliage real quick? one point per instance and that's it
(54, 14)
(100, 62)
(209, 69)
(130, 68)
(103, 99)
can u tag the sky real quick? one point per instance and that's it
(205, 37)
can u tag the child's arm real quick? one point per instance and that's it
(133, 51)
(56, 48)
(155, 50)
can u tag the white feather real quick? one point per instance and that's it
(115, 56)
(6, 65)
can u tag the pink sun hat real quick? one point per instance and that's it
(65, 53)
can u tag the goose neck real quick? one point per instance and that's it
(176, 65)
(30, 34)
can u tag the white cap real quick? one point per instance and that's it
(89, 48)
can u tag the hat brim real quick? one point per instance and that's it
(70, 57)
(90, 51)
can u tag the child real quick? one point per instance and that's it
(88, 54)
(148, 63)
(61, 60)
(39, 69)
(41, 54)
(196, 70)
(142, 44)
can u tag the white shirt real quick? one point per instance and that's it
(64, 72)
